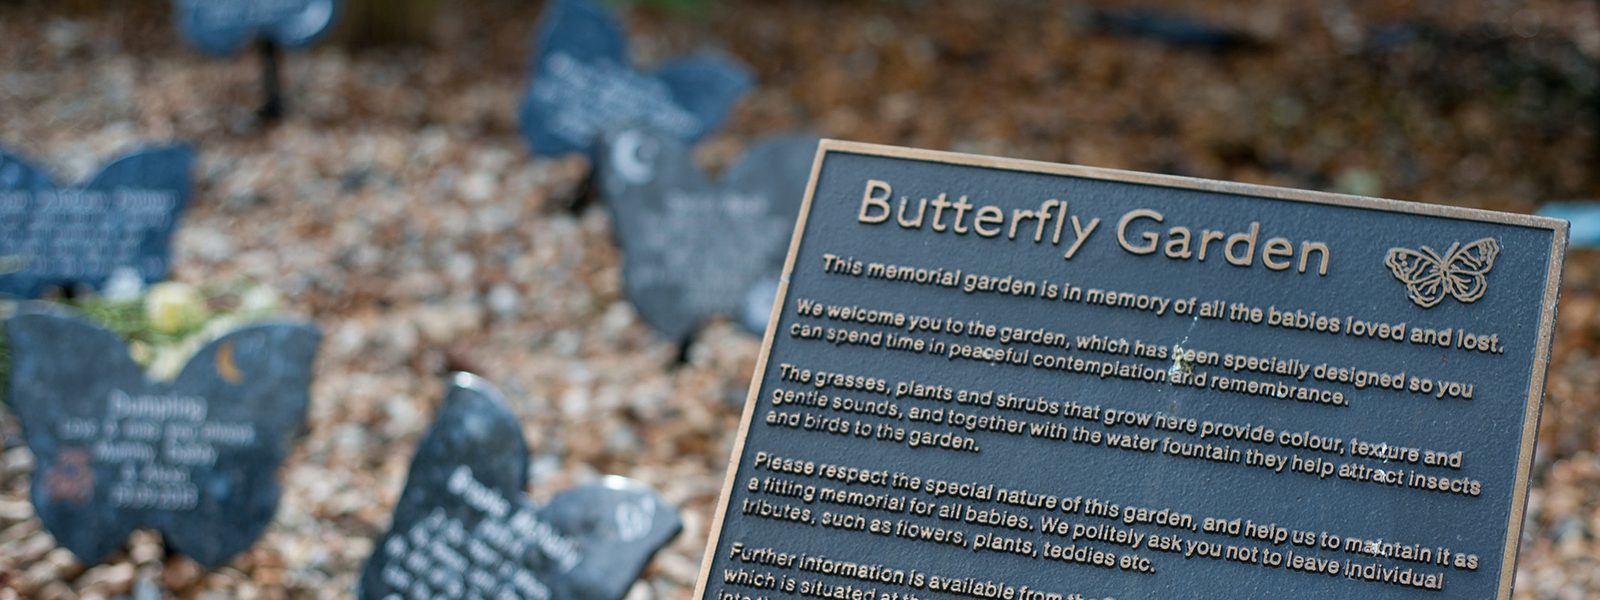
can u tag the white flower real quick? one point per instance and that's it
(124, 285)
(141, 352)
(168, 363)
(172, 308)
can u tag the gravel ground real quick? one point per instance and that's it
(397, 208)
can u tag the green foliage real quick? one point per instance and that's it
(226, 307)
(682, 7)
(373, 23)
(126, 317)
(368, 23)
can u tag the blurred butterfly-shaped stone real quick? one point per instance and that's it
(465, 527)
(692, 248)
(1583, 219)
(1460, 272)
(196, 458)
(221, 27)
(120, 221)
(583, 85)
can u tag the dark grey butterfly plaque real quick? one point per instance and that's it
(693, 248)
(583, 85)
(196, 458)
(122, 219)
(465, 528)
(1012, 380)
(221, 27)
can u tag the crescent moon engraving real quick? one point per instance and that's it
(225, 365)
(634, 156)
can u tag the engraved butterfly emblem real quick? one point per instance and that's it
(1459, 273)
(635, 518)
(71, 479)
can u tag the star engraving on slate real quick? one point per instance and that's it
(221, 27)
(465, 527)
(196, 458)
(692, 249)
(583, 85)
(121, 220)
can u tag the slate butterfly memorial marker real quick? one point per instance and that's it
(195, 458)
(583, 85)
(1585, 219)
(1007, 379)
(465, 528)
(222, 27)
(121, 220)
(692, 248)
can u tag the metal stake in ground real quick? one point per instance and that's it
(271, 88)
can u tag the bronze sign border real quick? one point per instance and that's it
(1552, 293)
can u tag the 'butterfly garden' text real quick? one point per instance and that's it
(1136, 233)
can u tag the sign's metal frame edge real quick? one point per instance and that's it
(1532, 412)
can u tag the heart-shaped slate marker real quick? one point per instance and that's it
(583, 85)
(465, 527)
(121, 221)
(221, 27)
(196, 458)
(692, 249)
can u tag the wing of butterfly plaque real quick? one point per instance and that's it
(121, 220)
(221, 27)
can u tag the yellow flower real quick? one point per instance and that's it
(172, 308)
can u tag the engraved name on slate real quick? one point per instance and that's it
(1011, 380)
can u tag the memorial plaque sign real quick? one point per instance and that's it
(196, 458)
(583, 85)
(221, 27)
(122, 219)
(691, 248)
(1011, 380)
(464, 527)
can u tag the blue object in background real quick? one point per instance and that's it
(70, 236)
(221, 27)
(1585, 220)
(584, 86)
